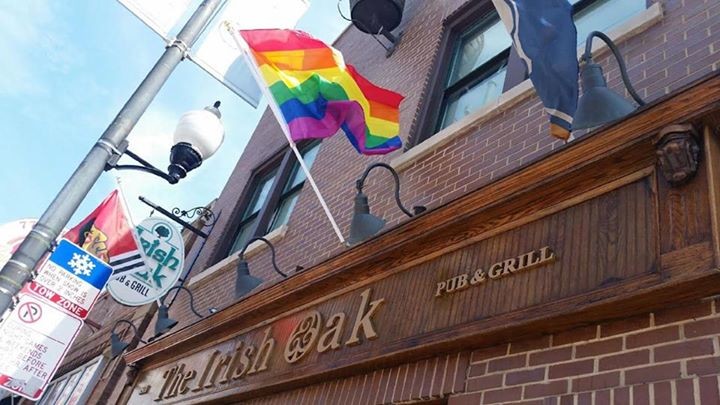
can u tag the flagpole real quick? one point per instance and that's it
(19, 269)
(123, 201)
(278, 115)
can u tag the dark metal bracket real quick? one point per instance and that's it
(204, 213)
(144, 165)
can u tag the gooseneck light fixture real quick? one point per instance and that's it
(377, 17)
(244, 281)
(164, 323)
(364, 224)
(117, 346)
(198, 136)
(599, 105)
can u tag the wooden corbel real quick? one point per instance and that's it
(678, 153)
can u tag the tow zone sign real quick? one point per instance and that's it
(39, 331)
(33, 340)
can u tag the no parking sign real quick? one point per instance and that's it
(36, 335)
(33, 342)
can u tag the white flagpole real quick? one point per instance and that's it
(123, 201)
(128, 215)
(278, 115)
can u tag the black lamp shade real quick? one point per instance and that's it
(598, 105)
(363, 225)
(244, 282)
(117, 346)
(372, 16)
(163, 323)
(183, 158)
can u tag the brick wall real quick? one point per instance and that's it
(682, 47)
(670, 356)
(653, 358)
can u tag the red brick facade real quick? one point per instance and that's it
(680, 48)
(668, 356)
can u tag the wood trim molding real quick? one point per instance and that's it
(387, 251)
(712, 159)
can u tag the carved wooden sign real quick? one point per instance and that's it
(567, 253)
(503, 268)
(222, 366)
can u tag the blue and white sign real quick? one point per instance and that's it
(71, 278)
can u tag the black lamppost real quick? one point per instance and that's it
(364, 224)
(244, 282)
(19, 269)
(164, 323)
(599, 105)
(117, 346)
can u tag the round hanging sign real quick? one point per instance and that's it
(163, 252)
(11, 234)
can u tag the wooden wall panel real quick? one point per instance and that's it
(597, 242)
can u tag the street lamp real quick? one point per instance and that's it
(198, 136)
(164, 323)
(19, 269)
(599, 105)
(244, 282)
(117, 346)
(364, 224)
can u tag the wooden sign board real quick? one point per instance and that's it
(603, 240)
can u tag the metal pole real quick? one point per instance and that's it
(18, 270)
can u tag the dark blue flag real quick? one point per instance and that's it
(545, 37)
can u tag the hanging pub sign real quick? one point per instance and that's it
(163, 252)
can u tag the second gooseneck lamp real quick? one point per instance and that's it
(164, 323)
(117, 345)
(599, 105)
(244, 281)
(364, 224)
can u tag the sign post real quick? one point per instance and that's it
(38, 333)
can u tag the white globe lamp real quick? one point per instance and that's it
(198, 136)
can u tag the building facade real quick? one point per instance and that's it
(540, 273)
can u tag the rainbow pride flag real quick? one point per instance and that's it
(318, 94)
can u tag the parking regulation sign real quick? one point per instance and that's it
(33, 342)
(71, 279)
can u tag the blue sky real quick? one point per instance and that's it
(68, 67)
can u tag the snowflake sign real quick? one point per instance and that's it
(81, 264)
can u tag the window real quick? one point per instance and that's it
(477, 71)
(273, 196)
(291, 190)
(480, 63)
(74, 387)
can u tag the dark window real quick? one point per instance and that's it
(477, 70)
(479, 63)
(273, 196)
